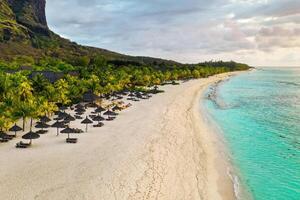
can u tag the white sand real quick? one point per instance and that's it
(159, 148)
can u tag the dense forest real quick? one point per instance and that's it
(25, 92)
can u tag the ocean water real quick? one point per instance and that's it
(258, 115)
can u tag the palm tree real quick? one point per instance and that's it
(22, 110)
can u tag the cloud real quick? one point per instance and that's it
(185, 30)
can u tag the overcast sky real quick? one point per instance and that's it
(258, 32)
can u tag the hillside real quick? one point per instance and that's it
(24, 31)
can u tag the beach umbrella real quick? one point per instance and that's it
(92, 105)
(42, 125)
(79, 113)
(31, 136)
(99, 109)
(131, 95)
(98, 118)
(69, 118)
(63, 108)
(79, 106)
(15, 129)
(89, 97)
(63, 114)
(86, 121)
(45, 119)
(110, 113)
(116, 108)
(80, 110)
(67, 130)
(58, 125)
(100, 124)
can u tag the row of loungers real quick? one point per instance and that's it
(23, 145)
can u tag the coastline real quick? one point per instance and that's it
(160, 148)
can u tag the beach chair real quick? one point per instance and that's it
(78, 117)
(98, 125)
(3, 140)
(42, 131)
(71, 140)
(22, 145)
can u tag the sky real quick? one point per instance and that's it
(256, 32)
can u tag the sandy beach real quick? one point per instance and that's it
(161, 148)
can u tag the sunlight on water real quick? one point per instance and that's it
(259, 114)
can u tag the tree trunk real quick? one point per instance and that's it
(24, 123)
(31, 124)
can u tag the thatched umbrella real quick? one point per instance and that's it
(110, 113)
(58, 125)
(99, 109)
(80, 110)
(89, 97)
(63, 114)
(98, 118)
(30, 136)
(15, 129)
(69, 118)
(131, 95)
(86, 121)
(68, 130)
(63, 108)
(92, 105)
(45, 119)
(42, 125)
(79, 106)
(116, 108)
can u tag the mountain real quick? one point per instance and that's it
(24, 31)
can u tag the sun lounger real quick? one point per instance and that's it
(2, 140)
(22, 145)
(71, 140)
(42, 131)
(77, 130)
(110, 118)
(9, 137)
(78, 117)
(98, 125)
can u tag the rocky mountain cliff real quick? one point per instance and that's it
(24, 31)
(30, 13)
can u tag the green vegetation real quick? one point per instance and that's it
(23, 98)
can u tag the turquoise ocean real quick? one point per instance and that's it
(257, 114)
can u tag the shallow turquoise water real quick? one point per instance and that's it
(258, 114)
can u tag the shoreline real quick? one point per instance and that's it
(158, 149)
(221, 183)
(231, 183)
